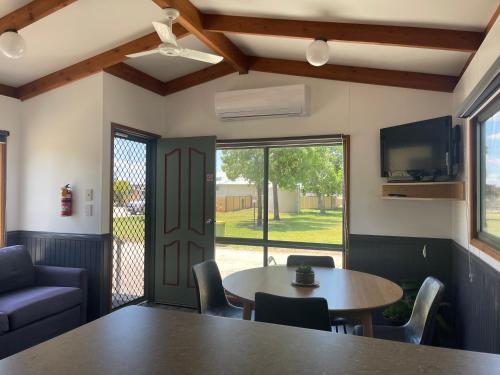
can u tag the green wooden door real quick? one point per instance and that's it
(185, 212)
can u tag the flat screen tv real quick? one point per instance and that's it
(418, 151)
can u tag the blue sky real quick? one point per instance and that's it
(221, 177)
(492, 133)
(130, 161)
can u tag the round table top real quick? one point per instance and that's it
(344, 290)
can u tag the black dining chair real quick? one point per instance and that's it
(298, 312)
(420, 328)
(317, 261)
(210, 293)
(312, 260)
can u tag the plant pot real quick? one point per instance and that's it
(394, 322)
(304, 278)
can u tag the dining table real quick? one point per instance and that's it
(153, 341)
(350, 294)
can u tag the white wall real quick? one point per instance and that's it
(337, 107)
(10, 119)
(129, 105)
(67, 133)
(483, 60)
(67, 139)
(61, 144)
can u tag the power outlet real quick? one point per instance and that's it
(89, 208)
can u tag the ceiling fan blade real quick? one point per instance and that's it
(165, 33)
(145, 53)
(200, 56)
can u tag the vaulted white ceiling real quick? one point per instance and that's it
(357, 54)
(88, 27)
(76, 32)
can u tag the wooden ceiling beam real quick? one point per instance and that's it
(137, 77)
(93, 65)
(420, 81)
(199, 77)
(8, 91)
(30, 13)
(192, 19)
(453, 40)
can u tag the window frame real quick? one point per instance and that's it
(266, 144)
(483, 241)
(3, 193)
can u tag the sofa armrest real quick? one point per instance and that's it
(61, 276)
(65, 277)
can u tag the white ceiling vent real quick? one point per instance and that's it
(258, 103)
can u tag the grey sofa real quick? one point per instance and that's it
(37, 302)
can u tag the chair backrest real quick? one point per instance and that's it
(16, 268)
(311, 260)
(298, 312)
(209, 289)
(421, 324)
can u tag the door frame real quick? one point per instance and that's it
(149, 218)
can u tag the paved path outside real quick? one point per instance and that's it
(231, 259)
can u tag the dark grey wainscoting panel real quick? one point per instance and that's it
(73, 250)
(401, 258)
(477, 302)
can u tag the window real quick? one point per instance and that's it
(275, 198)
(3, 186)
(485, 179)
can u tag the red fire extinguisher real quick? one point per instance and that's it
(66, 201)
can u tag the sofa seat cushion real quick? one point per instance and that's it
(25, 306)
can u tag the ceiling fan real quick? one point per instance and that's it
(169, 46)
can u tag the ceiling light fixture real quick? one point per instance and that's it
(12, 44)
(318, 52)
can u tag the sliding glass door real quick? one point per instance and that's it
(277, 199)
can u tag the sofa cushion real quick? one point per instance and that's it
(28, 305)
(16, 268)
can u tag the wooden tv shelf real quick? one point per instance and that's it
(451, 190)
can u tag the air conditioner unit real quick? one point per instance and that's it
(266, 102)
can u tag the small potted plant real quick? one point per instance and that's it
(304, 274)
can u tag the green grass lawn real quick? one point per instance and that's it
(493, 222)
(129, 228)
(308, 226)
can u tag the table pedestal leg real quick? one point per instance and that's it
(366, 322)
(247, 311)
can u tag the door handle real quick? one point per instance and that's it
(210, 221)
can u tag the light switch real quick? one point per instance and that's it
(88, 209)
(89, 195)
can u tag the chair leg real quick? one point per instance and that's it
(345, 330)
(336, 328)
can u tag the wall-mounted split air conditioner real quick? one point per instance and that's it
(280, 101)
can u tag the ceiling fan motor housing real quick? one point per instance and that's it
(168, 49)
